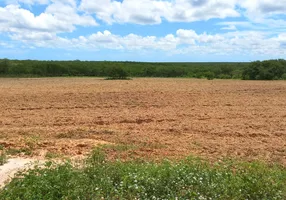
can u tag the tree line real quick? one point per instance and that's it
(265, 70)
(271, 69)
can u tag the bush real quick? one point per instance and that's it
(117, 72)
(224, 76)
(4, 66)
(209, 75)
(191, 178)
(265, 70)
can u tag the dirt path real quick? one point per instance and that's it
(13, 166)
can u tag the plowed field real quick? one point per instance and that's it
(146, 118)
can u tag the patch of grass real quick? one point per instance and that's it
(31, 141)
(26, 151)
(52, 155)
(152, 145)
(119, 147)
(13, 151)
(191, 178)
(3, 158)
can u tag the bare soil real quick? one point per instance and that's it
(8, 170)
(149, 118)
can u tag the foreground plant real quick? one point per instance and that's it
(188, 179)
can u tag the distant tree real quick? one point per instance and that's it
(117, 72)
(252, 71)
(54, 69)
(225, 69)
(265, 70)
(18, 69)
(4, 66)
(149, 71)
(209, 75)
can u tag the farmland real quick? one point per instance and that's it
(144, 118)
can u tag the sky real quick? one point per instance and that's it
(143, 30)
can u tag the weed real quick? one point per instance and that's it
(3, 158)
(31, 141)
(119, 147)
(12, 151)
(191, 178)
(26, 151)
(52, 155)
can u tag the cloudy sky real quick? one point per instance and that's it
(143, 30)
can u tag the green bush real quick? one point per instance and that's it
(209, 75)
(265, 70)
(4, 66)
(117, 72)
(188, 179)
(35, 68)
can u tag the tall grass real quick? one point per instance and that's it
(191, 178)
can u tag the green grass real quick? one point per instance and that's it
(3, 158)
(14, 151)
(191, 178)
(52, 155)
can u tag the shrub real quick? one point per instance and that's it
(191, 178)
(117, 72)
(209, 75)
(265, 70)
(4, 66)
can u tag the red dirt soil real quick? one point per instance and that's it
(149, 118)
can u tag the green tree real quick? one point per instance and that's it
(4, 66)
(209, 75)
(117, 72)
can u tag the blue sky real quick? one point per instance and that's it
(143, 30)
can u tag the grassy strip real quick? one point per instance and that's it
(188, 179)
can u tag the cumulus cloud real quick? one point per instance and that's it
(29, 2)
(260, 31)
(268, 7)
(184, 41)
(153, 11)
(59, 17)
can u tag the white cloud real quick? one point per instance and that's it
(261, 32)
(14, 19)
(67, 12)
(58, 17)
(28, 2)
(153, 11)
(267, 7)
(183, 42)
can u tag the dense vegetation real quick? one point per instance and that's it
(188, 179)
(109, 69)
(265, 70)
